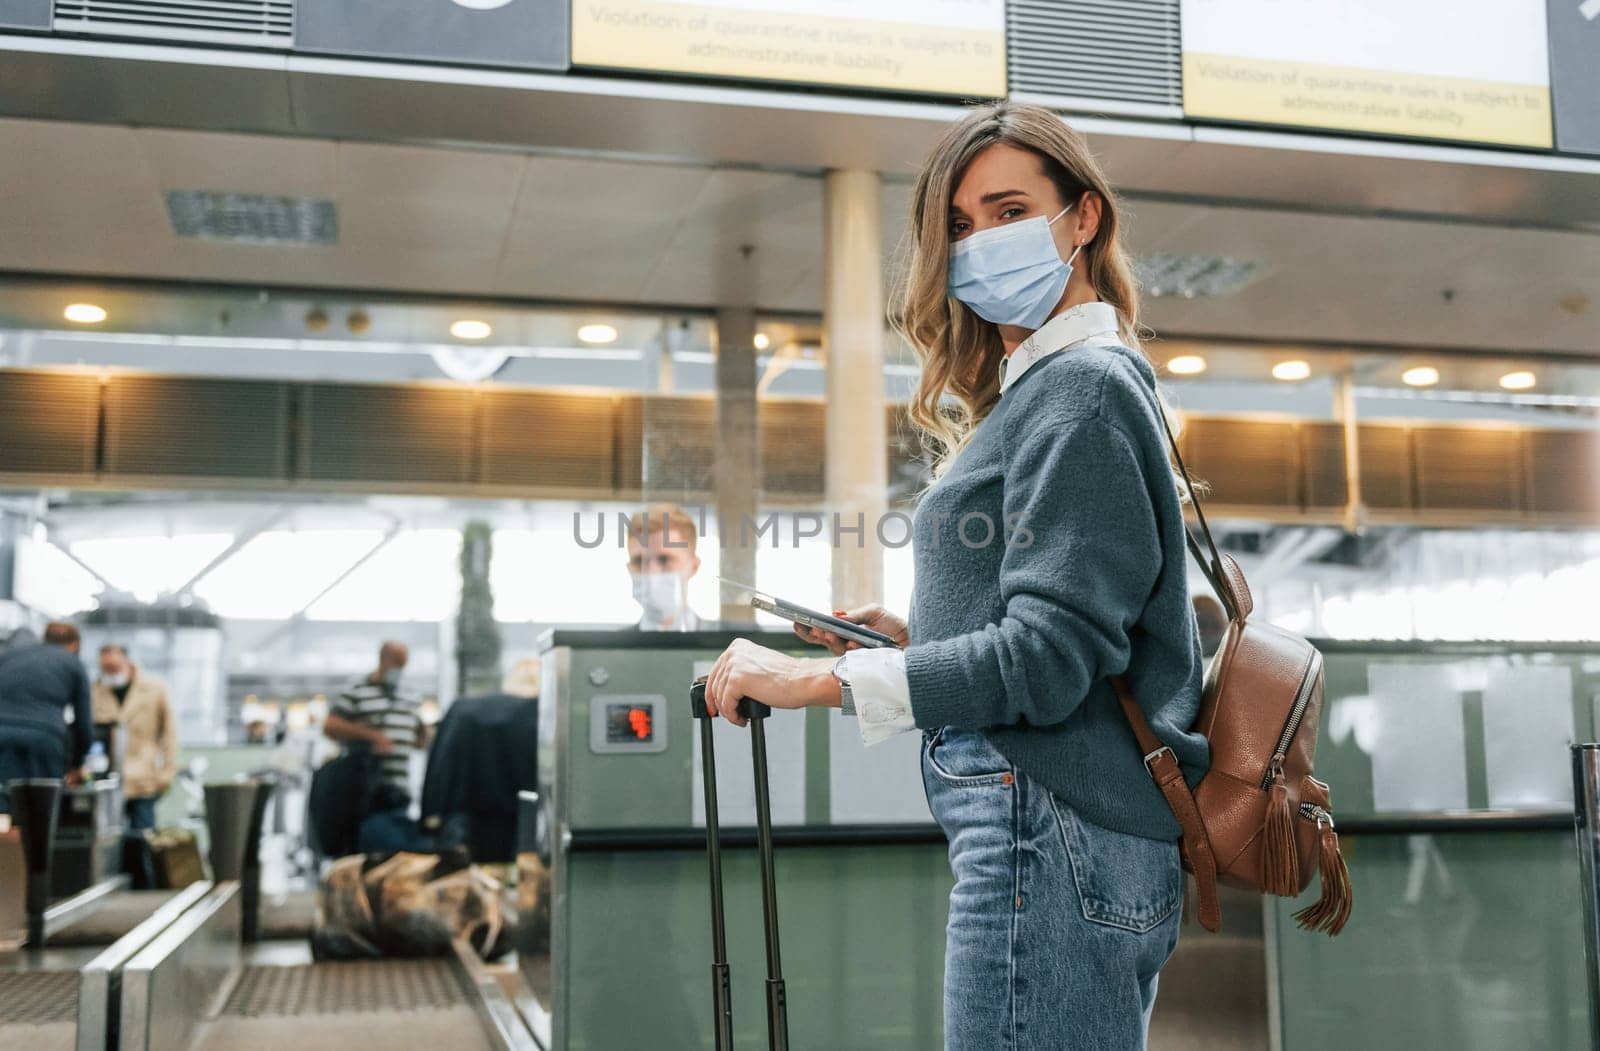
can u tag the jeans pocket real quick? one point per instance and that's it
(965, 758)
(1123, 880)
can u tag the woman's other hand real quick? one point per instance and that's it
(872, 615)
(748, 669)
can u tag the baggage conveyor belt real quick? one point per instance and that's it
(397, 1005)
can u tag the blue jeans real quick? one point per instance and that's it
(139, 814)
(1058, 927)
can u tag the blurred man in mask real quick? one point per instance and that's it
(661, 561)
(137, 703)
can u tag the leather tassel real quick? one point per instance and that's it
(1332, 908)
(1280, 855)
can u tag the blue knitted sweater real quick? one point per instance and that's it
(1049, 556)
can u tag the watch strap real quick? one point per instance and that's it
(847, 700)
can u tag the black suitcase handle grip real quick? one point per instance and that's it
(749, 708)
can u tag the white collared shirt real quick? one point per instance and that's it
(1072, 326)
(878, 676)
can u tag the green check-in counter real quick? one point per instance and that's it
(1451, 784)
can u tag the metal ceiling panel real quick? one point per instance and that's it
(144, 84)
(24, 14)
(533, 34)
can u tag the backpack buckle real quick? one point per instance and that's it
(1151, 757)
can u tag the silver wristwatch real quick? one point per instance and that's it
(847, 700)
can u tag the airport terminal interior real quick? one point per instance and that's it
(345, 344)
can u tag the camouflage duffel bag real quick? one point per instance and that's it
(406, 904)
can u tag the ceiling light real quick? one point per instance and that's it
(1291, 371)
(1187, 365)
(1520, 380)
(468, 328)
(762, 341)
(598, 333)
(84, 313)
(1421, 376)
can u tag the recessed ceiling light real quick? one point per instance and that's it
(1519, 380)
(598, 333)
(762, 341)
(1421, 376)
(468, 328)
(1187, 364)
(1291, 371)
(84, 313)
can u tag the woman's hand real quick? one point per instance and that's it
(746, 669)
(872, 615)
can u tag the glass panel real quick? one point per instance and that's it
(1471, 942)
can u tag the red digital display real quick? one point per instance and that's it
(639, 720)
(629, 724)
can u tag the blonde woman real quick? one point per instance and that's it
(1049, 555)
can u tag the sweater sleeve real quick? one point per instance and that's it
(1079, 565)
(82, 716)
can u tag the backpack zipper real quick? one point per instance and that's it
(1315, 813)
(1301, 701)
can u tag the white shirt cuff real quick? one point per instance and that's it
(882, 694)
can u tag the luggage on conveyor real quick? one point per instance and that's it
(175, 857)
(408, 904)
(721, 986)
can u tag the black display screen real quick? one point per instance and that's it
(629, 724)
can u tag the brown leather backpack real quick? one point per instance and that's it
(1257, 820)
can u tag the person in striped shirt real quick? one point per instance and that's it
(373, 711)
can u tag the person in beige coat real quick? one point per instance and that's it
(137, 701)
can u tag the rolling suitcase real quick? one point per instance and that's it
(721, 986)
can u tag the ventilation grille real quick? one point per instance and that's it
(231, 428)
(1112, 55)
(409, 437)
(48, 422)
(666, 447)
(544, 439)
(792, 441)
(252, 218)
(1247, 463)
(162, 431)
(254, 23)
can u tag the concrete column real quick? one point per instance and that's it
(738, 455)
(852, 339)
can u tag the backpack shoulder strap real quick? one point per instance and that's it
(1168, 775)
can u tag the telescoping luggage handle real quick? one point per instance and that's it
(721, 986)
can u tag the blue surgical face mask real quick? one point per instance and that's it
(1011, 274)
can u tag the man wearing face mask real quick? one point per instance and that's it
(374, 712)
(137, 702)
(661, 561)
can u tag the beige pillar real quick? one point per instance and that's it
(738, 455)
(852, 337)
(1355, 510)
